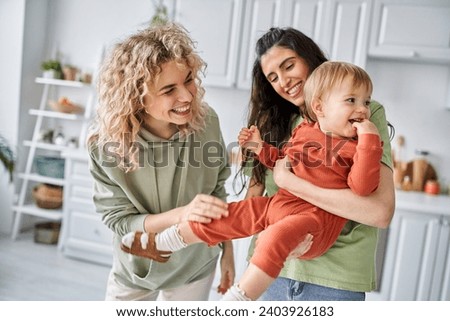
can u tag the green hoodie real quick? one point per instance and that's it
(171, 173)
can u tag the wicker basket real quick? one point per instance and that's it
(47, 233)
(65, 108)
(50, 166)
(48, 196)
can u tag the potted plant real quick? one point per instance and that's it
(7, 157)
(161, 16)
(52, 69)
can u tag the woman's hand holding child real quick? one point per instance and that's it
(203, 209)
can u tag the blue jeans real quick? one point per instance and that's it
(283, 289)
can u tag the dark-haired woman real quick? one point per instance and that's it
(285, 59)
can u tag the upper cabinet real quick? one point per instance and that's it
(413, 30)
(308, 16)
(226, 31)
(346, 30)
(216, 26)
(339, 27)
(260, 16)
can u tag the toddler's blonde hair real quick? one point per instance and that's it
(328, 75)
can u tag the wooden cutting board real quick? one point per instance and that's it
(418, 171)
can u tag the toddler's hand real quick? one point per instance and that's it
(282, 171)
(365, 127)
(250, 138)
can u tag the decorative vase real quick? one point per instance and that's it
(70, 73)
(49, 74)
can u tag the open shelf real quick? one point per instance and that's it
(42, 179)
(32, 209)
(48, 146)
(29, 175)
(61, 82)
(55, 114)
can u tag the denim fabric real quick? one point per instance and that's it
(283, 289)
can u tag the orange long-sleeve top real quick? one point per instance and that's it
(330, 162)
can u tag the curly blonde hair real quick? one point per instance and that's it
(125, 78)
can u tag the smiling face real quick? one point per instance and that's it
(286, 72)
(341, 107)
(168, 103)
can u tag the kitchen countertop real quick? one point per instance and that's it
(422, 202)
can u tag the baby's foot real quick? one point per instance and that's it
(143, 244)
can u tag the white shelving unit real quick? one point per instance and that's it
(24, 205)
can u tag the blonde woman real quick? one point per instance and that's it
(158, 159)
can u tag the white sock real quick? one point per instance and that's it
(170, 240)
(235, 294)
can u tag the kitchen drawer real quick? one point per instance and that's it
(80, 194)
(88, 227)
(79, 171)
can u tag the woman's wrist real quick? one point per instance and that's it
(181, 214)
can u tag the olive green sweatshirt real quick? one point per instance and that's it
(170, 174)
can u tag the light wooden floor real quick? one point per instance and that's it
(38, 272)
(31, 271)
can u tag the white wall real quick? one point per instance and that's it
(80, 29)
(11, 19)
(415, 98)
(232, 106)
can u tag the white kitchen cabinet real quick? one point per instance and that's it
(339, 27)
(259, 17)
(226, 38)
(417, 261)
(308, 16)
(346, 30)
(416, 30)
(215, 25)
(226, 32)
(84, 235)
(440, 287)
